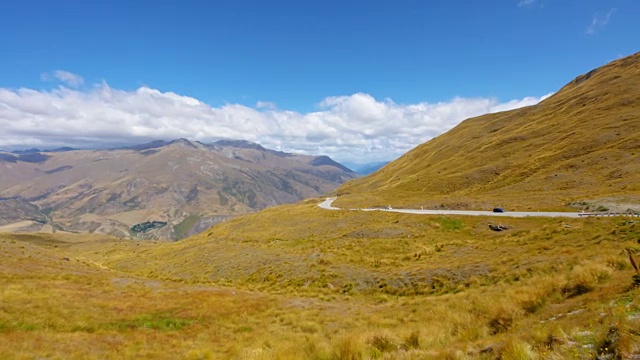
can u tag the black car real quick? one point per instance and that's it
(498, 210)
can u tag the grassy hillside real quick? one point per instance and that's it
(320, 284)
(317, 251)
(57, 306)
(581, 144)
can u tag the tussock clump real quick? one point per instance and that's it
(500, 322)
(617, 263)
(584, 278)
(612, 344)
(349, 348)
(499, 314)
(384, 342)
(502, 317)
(534, 296)
(412, 341)
(515, 349)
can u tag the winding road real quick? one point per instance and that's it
(327, 204)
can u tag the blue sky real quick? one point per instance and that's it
(295, 57)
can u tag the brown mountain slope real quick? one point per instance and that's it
(582, 143)
(188, 185)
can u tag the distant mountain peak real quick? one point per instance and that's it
(182, 141)
(242, 144)
(325, 160)
(29, 157)
(155, 144)
(35, 150)
(139, 147)
(62, 149)
(27, 151)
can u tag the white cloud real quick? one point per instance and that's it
(265, 105)
(70, 79)
(532, 4)
(599, 21)
(526, 3)
(357, 127)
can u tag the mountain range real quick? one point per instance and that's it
(159, 189)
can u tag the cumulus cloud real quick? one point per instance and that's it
(599, 21)
(70, 79)
(356, 127)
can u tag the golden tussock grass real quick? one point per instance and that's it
(579, 145)
(327, 285)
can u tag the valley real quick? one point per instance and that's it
(183, 187)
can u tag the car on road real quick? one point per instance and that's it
(498, 210)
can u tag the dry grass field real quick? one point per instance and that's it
(328, 285)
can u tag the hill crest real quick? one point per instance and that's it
(579, 145)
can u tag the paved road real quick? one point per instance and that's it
(327, 204)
